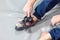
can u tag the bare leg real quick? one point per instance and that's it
(45, 36)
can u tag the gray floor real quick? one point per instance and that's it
(9, 19)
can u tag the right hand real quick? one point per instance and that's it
(28, 10)
(55, 19)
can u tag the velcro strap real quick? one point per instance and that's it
(27, 19)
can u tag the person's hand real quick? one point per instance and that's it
(55, 19)
(28, 9)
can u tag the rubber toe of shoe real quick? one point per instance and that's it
(19, 28)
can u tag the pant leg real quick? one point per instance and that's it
(55, 33)
(44, 7)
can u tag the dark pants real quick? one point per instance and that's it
(55, 34)
(44, 7)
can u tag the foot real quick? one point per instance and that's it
(26, 23)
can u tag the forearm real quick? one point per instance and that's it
(31, 2)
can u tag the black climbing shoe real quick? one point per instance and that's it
(26, 23)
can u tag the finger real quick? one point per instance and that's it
(53, 23)
(29, 13)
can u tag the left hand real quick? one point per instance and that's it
(55, 19)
